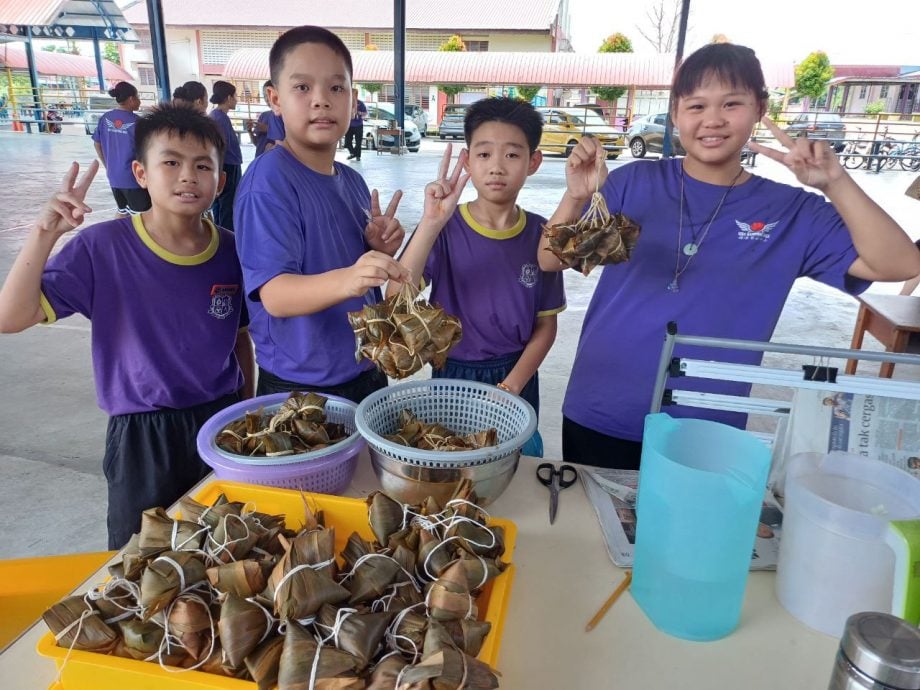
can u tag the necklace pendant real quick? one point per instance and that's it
(691, 248)
(672, 286)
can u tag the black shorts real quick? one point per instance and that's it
(151, 459)
(132, 200)
(589, 447)
(355, 390)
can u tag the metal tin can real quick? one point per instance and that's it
(878, 651)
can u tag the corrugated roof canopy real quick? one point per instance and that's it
(78, 19)
(13, 55)
(455, 16)
(492, 68)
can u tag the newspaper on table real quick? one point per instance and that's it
(874, 426)
(613, 495)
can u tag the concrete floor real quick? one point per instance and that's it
(52, 493)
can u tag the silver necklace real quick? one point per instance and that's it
(693, 247)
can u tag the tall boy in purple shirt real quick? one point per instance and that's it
(309, 253)
(481, 258)
(163, 291)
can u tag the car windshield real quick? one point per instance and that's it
(589, 118)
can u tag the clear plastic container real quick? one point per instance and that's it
(833, 559)
(701, 487)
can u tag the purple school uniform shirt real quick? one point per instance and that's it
(164, 326)
(765, 236)
(275, 128)
(491, 281)
(291, 219)
(233, 155)
(263, 139)
(115, 134)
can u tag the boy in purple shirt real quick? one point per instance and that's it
(260, 131)
(224, 97)
(481, 258)
(719, 251)
(114, 139)
(308, 251)
(163, 290)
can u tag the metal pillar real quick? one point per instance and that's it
(33, 80)
(158, 47)
(399, 61)
(97, 51)
(681, 38)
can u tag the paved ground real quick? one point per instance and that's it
(52, 494)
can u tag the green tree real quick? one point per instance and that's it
(373, 88)
(875, 108)
(110, 53)
(454, 44)
(614, 43)
(528, 93)
(813, 74)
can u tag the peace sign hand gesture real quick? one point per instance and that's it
(812, 162)
(384, 232)
(65, 210)
(442, 195)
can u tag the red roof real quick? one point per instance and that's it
(492, 68)
(29, 12)
(454, 16)
(13, 55)
(866, 70)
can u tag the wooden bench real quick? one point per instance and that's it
(894, 320)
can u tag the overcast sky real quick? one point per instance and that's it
(849, 32)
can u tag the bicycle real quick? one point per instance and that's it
(854, 153)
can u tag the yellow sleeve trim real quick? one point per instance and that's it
(552, 312)
(50, 316)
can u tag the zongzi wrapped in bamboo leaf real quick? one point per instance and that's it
(77, 624)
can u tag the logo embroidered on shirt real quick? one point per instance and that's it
(222, 300)
(118, 126)
(758, 230)
(528, 275)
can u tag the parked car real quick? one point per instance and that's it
(452, 121)
(97, 107)
(563, 128)
(827, 126)
(381, 116)
(647, 135)
(418, 115)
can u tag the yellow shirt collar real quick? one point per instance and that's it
(513, 231)
(178, 259)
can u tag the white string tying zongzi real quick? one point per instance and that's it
(469, 610)
(177, 567)
(270, 619)
(297, 569)
(175, 535)
(341, 615)
(106, 594)
(366, 557)
(223, 547)
(315, 668)
(169, 639)
(392, 636)
(456, 537)
(383, 603)
(90, 611)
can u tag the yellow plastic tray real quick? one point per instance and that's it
(28, 586)
(90, 671)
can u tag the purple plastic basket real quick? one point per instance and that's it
(326, 471)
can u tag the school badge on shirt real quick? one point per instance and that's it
(222, 300)
(528, 276)
(757, 231)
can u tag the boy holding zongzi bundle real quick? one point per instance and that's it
(481, 257)
(313, 242)
(164, 293)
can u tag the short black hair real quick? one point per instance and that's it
(731, 64)
(221, 91)
(190, 92)
(299, 35)
(123, 91)
(180, 120)
(511, 111)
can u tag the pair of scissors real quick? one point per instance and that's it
(556, 480)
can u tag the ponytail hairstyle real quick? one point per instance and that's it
(222, 91)
(190, 92)
(122, 92)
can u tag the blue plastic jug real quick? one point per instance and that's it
(701, 486)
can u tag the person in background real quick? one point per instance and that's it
(312, 240)
(913, 191)
(719, 251)
(224, 98)
(354, 137)
(114, 140)
(192, 94)
(259, 130)
(163, 290)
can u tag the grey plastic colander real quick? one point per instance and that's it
(464, 407)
